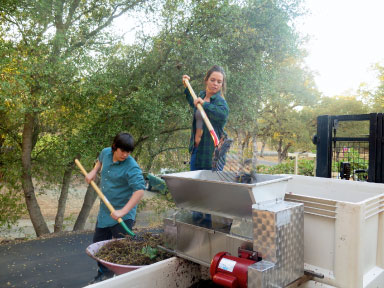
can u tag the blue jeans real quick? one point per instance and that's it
(201, 219)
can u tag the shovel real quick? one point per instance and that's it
(222, 146)
(104, 199)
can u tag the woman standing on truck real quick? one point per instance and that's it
(212, 100)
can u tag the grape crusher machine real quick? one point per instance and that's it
(254, 239)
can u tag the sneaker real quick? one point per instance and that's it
(101, 277)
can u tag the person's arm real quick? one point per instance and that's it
(135, 199)
(216, 112)
(92, 174)
(189, 98)
(187, 93)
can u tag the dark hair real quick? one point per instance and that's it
(124, 141)
(217, 68)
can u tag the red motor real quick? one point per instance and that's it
(230, 271)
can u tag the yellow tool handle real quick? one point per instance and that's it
(104, 199)
(205, 117)
(98, 191)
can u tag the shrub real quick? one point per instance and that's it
(305, 166)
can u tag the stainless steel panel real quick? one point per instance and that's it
(200, 244)
(170, 233)
(260, 274)
(195, 242)
(242, 228)
(203, 191)
(279, 237)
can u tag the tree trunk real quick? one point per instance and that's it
(59, 220)
(245, 143)
(89, 200)
(1, 152)
(33, 207)
(279, 150)
(148, 166)
(254, 151)
(284, 153)
(262, 149)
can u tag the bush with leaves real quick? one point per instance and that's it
(12, 207)
(306, 167)
(352, 156)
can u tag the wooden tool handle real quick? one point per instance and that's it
(104, 199)
(205, 118)
(98, 191)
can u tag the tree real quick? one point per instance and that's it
(340, 105)
(70, 87)
(344, 105)
(45, 47)
(378, 103)
(280, 119)
(250, 40)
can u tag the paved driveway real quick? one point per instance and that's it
(53, 262)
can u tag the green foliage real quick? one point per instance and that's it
(306, 168)
(378, 95)
(351, 156)
(150, 252)
(158, 203)
(81, 85)
(50, 81)
(12, 207)
(340, 105)
(251, 40)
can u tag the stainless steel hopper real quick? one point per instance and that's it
(204, 191)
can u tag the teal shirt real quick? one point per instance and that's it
(119, 180)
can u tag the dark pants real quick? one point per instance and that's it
(116, 231)
(193, 159)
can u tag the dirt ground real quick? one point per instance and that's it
(48, 200)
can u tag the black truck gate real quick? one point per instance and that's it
(350, 147)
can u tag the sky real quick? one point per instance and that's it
(347, 38)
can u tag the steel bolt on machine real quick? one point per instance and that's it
(254, 238)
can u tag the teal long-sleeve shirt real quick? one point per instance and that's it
(119, 180)
(217, 112)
